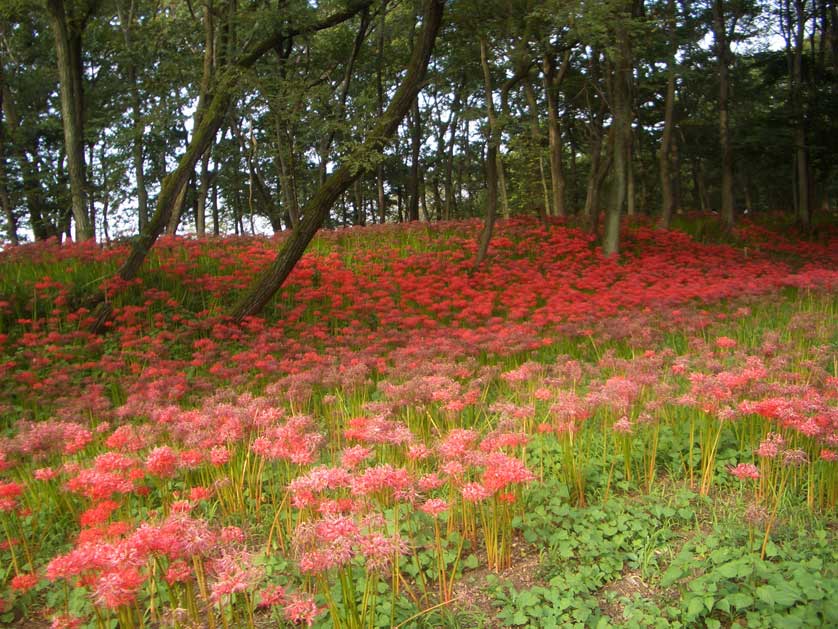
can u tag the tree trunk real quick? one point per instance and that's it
(381, 199)
(137, 153)
(68, 49)
(620, 96)
(5, 198)
(664, 154)
(287, 180)
(491, 160)
(723, 63)
(537, 142)
(360, 215)
(211, 121)
(675, 177)
(216, 226)
(552, 81)
(700, 185)
(415, 146)
(797, 26)
(33, 191)
(318, 207)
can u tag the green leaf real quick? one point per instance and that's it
(771, 549)
(527, 599)
(519, 618)
(729, 570)
(740, 600)
(695, 607)
(767, 594)
(471, 562)
(672, 574)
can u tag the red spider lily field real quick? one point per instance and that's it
(555, 439)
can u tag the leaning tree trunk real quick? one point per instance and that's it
(213, 117)
(68, 42)
(317, 209)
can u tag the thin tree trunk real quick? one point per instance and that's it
(664, 154)
(379, 85)
(700, 182)
(33, 191)
(137, 154)
(723, 65)
(552, 81)
(491, 160)
(415, 170)
(318, 207)
(216, 223)
(5, 198)
(675, 177)
(537, 141)
(796, 25)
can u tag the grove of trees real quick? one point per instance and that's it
(126, 117)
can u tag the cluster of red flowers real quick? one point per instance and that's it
(372, 375)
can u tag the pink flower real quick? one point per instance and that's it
(45, 474)
(744, 470)
(178, 572)
(724, 342)
(24, 582)
(302, 609)
(354, 455)
(232, 535)
(162, 462)
(118, 587)
(623, 426)
(219, 455)
(771, 445)
(272, 596)
(65, 621)
(197, 494)
(434, 507)
(475, 492)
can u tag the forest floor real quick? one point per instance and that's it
(555, 439)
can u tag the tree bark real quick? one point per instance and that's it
(552, 81)
(415, 169)
(620, 93)
(137, 154)
(796, 24)
(491, 160)
(5, 198)
(537, 142)
(664, 154)
(318, 207)
(67, 31)
(723, 64)
(381, 199)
